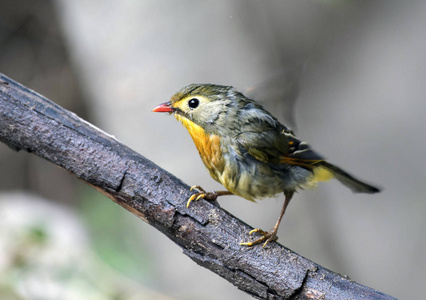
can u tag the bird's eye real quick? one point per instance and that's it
(193, 103)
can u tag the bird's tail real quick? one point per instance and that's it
(323, 170)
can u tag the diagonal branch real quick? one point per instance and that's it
(207, 234)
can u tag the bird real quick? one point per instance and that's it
(248, 151)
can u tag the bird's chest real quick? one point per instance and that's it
(209, 148)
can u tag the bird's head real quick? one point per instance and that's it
(207, 105)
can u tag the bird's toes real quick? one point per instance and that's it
(266, 237)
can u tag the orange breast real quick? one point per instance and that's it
(208, 145)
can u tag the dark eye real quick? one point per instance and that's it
(193, 103)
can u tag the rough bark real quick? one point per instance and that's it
(207, 234)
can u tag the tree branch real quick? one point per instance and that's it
(207, 234)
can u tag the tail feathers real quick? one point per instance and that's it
(354, 184)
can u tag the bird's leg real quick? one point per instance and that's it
(271, 235)
(211, 196)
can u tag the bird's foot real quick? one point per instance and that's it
(211, 196)
(267, 236)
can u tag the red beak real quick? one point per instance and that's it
(164, 107)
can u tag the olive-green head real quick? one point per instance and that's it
(208, 105)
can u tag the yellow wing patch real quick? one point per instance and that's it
(307, 163)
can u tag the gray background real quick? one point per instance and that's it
(358, 71)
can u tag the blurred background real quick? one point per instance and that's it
(349, 76)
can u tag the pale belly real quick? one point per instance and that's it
(250, 182)
(247, 177)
